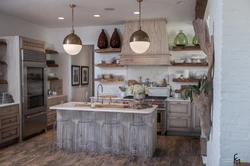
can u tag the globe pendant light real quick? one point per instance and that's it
(139, 41)
(72, 44)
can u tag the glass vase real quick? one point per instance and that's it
(195, 41)
(181, 39)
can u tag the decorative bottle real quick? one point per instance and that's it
(195, 41)
(181, 39)
(115, 41)
(102, 40)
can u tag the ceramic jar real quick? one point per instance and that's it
(115, 41)
(139, 97)
(102, 40)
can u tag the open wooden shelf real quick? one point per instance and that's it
(186, 80)
(52, 78)
(3, 43)
(51, 52)
(109, 65)
(109, 79)
(52, 65)
(186, 48)
(3, 63)
(3, 82)
(191, 64)
(108, 50)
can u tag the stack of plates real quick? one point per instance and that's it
(6, 98)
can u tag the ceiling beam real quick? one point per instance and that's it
(200, 8)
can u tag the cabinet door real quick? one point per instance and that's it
(195, 119)
(179, 108)
(178, 123)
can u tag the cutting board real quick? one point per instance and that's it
(102, 105)
(108, 96)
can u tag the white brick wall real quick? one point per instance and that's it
(231, 118)
(235, 110)
(213, 146)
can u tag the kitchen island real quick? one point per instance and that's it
(119, 125)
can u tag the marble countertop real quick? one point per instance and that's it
(177, 99)
(71, 106)
(8, 104)
(54, 96)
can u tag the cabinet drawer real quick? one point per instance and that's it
(9, 120)
(179, 108)
(9, 133)
(179, 123)
(51, 112)
(9, 110)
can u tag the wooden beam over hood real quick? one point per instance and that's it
(200, 8)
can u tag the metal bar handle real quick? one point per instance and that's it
(31, 116)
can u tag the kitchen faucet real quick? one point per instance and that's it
(100, 85)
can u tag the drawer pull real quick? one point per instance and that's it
(9, 133)
(10, 120)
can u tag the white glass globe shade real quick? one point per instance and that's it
(72, 49)
(139, 47)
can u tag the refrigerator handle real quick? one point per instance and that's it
(31, 116)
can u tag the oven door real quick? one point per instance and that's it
(34, 96)
(161, 120)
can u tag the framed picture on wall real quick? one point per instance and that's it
(85, 75)
(75, 75)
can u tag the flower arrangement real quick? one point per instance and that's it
(138, 89)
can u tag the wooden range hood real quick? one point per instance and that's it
(158, 52)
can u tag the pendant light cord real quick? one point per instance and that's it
(73, 31)
(140, 15)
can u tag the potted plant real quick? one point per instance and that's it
(139, 92)
(200, 96)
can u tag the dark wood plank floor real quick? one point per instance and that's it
(171, 151)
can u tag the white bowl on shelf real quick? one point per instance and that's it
(177, 75)
(107, 75)
(109, 60)
(179, 61)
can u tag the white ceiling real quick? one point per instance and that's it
(46, 12)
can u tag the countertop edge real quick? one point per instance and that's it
(114, 110)
(51, 97)
(8, 104)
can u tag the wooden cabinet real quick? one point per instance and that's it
(51, 114)
(182, 116)
(9, 123)
(31, 44)
(195, 119)
(178, 116)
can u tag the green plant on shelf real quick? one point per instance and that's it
(203, 85)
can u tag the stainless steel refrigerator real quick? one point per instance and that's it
(34, 94)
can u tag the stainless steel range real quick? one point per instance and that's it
(161, 110)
